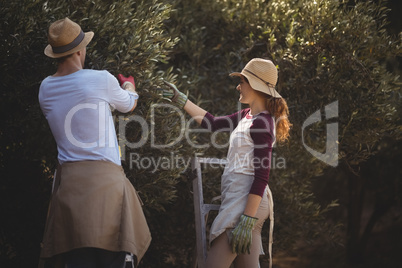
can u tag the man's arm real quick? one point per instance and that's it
(127, 83)
(130, 88)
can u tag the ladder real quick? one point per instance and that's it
(201, 209)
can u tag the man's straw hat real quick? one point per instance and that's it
(262, 76)
(66, 37)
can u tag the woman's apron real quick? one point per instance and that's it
(235, 188)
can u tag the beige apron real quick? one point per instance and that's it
(94, 205)
(235, 188)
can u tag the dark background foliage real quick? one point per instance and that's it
(326, 51)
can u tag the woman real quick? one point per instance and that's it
(235, 235)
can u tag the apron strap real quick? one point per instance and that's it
(271, 225)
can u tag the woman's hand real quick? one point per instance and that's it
(181, 100)
(242, 235)
(173, 94)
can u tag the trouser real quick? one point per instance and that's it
(220, 254)
(94, 258)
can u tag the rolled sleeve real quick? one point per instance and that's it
(133, 95)
(120, 99)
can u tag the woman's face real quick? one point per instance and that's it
(247, 93)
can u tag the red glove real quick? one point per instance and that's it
(126, 81)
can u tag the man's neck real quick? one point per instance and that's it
(71, 65)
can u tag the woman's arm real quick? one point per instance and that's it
(213, 123)
(261, 132)
(195, 111)
(253, 202)
(201, 116)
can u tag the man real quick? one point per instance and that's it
(95, 216)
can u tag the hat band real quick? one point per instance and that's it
(268, 84)
(73, 44)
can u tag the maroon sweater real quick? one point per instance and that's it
(262, 134)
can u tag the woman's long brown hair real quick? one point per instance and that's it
(279, 109)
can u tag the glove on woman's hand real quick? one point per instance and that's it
(127, 82)
(174, 95)
(241, 235)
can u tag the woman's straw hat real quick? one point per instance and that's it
(262, 76)
(66, 37)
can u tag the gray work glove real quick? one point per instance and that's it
(173, 94)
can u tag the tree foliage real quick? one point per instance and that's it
(129, 39)
(325, 50)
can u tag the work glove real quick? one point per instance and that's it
(127, 82)
(173, 94)
(241, 235)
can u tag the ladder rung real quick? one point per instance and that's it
(208, 207)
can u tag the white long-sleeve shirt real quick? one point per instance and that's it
(78, 109)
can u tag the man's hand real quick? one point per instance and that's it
(242, 234)
(173, 94)
(127, 83)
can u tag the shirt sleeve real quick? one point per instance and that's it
(120, 99)
(222, 123)
(261, 131)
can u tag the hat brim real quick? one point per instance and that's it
(87, 38)
(258, 85)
